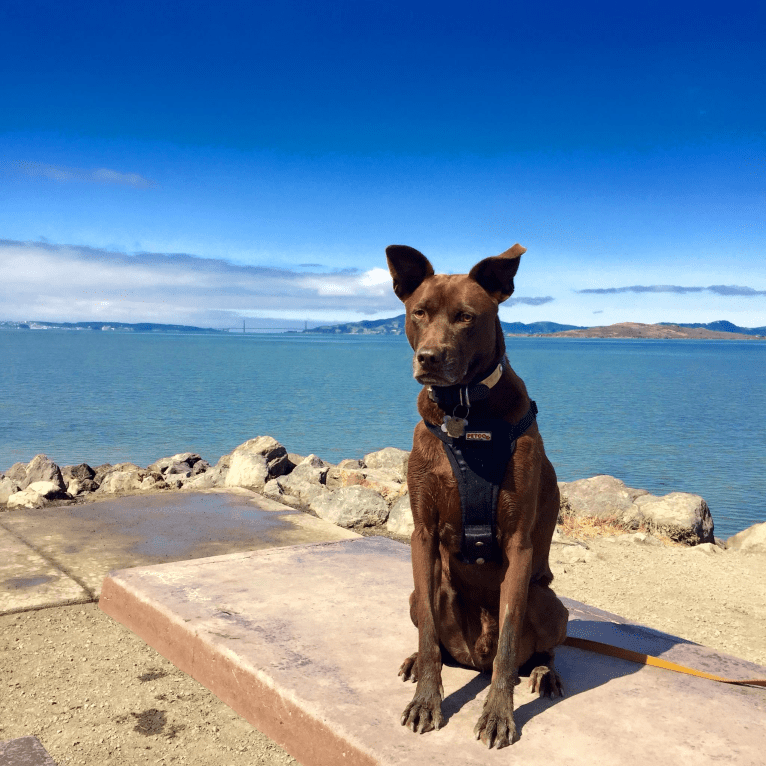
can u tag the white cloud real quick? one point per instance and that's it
(83, 175)
(67, 283)
(42, 281)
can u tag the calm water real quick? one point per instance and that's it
(660, 415)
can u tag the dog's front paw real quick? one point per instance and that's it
(409, 668)
(496, 726)
(546, 681)
(424, 713)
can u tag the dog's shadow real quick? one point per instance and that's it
(580, 671)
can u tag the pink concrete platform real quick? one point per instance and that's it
(305, 643)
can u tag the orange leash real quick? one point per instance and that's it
(647, 659)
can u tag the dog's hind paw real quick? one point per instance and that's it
(409, 668)
(546, 681)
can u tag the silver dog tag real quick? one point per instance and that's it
(454, 427)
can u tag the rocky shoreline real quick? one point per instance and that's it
(369, 493)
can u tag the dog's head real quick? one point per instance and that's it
(452, 322)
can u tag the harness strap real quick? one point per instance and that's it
(478, 460)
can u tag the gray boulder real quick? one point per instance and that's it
(82, 472)
(101, 471)
(122, 477)
(304, 484)
(212, 477)
(26, 498)
(272, 490)
(49, 490)
(604, 497)
(338, 476)
(256, 461)
(42, 468)
(200, 467)
(391, 460)
(385, 481)
(681, 516)
(156, 481)
(183, 465)
(17, 472)
(247, 469)
(179, 470)
(79, 479)
(8, 487)
(750, 539)
(351, 506)
(400, 517)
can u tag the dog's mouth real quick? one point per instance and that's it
(429, 379)
(445, 373)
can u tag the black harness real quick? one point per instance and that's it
(478, 458)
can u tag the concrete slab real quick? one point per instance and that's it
(81, 544)
(305, 643)
(28, 581)
(24, 751)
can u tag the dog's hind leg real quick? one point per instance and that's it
(546, 680)
(408, 671)
(547, 620)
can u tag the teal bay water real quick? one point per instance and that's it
(660, 415)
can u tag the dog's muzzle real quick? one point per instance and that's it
(435, 365)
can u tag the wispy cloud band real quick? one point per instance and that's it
(680, 289)
(82, 175)
(529, 301)
(75, 283)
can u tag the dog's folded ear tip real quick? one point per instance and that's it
(514, 252)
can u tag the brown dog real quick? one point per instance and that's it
(499, 613)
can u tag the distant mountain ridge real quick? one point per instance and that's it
(395, 326)
(720, 326)
(664, 331)
(106, 327)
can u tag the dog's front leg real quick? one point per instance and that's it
(424, 712)
(496, 726)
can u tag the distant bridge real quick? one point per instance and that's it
(245, 329)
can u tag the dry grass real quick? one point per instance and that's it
(580, 527)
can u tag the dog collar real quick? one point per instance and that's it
(449, 397)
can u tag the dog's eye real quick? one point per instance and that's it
(419, 313)
(465, 317)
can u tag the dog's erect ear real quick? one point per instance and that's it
(408, 268)
(496, 274)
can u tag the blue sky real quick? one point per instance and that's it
(204, 163)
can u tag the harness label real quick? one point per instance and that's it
(478, 436)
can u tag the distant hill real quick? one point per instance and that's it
(656, 331)
(106, 327)
(395, 326)
(723, 326)
(537, 328)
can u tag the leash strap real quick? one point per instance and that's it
(478, 460)
(647, 659)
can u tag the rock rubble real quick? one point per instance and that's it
(371, 492)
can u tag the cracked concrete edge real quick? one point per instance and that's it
(30, 581)
(23, 562)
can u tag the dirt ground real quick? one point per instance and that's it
(95, 694)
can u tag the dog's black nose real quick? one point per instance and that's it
(428, 357)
